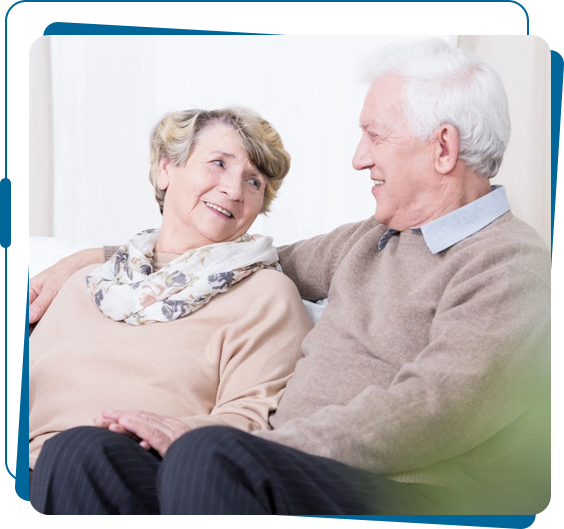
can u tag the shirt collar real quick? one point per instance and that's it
(450, 229)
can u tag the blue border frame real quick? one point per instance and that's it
(26, 20)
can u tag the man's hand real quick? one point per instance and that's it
(152, 430)
(45, 286)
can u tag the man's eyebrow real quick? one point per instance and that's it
(366, 124)
(222, 153)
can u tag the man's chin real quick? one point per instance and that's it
(382, 219)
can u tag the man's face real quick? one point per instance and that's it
(405, 183)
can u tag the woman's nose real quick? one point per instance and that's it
(233, 187)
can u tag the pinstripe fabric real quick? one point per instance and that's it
(219, 470)
(213, 470)
(90, 470)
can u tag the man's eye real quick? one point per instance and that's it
(255, 183)
(373, 136)
(220, 163)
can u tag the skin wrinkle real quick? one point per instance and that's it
(416, 174)
(222, 176)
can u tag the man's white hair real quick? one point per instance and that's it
(446, 85)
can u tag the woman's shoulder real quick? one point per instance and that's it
(267, 285)
(273, 279)
(272, 293)
(77, 282)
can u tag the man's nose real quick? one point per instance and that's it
(362, 158)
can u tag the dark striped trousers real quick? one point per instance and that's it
(212, 470)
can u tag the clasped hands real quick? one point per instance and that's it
(149, 429)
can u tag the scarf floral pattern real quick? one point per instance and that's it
(126, 287)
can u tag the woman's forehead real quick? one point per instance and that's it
(221, 138)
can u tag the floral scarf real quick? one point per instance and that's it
(125, 288)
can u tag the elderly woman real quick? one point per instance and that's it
(193, 324)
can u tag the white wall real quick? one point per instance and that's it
(524, 65)
(108, 92)
(41, 140)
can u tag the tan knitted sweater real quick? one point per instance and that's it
(227, 363)
(426, 368)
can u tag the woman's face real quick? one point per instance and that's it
(216, 196)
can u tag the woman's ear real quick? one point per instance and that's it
(447, 144)
(163, 174)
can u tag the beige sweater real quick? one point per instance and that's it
(426, 368)
(227, 363)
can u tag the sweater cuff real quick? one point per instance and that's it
(109, 251)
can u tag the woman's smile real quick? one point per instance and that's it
(217, 209)
(217, 177)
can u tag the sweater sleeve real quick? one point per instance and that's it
(109, 251)
(487, 358)
(311, 263)
(259, 354)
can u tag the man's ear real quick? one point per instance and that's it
(163, 174)
(446, 153)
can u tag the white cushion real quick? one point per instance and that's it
(46, 251)
(315, 310)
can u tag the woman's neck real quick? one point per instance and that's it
(177, 239)
(167, 244)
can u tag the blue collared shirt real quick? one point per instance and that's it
(446, 231)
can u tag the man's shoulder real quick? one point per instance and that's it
(508, 233)
(508, 241)
(341, 237)
(367, 224)
(357, 230)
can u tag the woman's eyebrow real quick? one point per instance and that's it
(222, 153)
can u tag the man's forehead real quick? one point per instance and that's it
(381, 102)
(372, 116)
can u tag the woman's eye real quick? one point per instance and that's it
(220, 163)
(255, 183)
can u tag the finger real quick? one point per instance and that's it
(118, 428)
(153, 436)
(32, 294)
(145, 445)
(131, 414)
(160, 422)
(40, 305)
(102, 423)
(151, 419)
(113, 426)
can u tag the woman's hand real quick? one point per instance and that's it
(152, 430)
(114, 426)
(45, 286)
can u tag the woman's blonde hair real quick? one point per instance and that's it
(174, 137)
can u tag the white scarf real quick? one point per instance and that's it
(125, 288)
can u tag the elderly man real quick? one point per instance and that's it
(423, 386)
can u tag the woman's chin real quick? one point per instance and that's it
(214, 236)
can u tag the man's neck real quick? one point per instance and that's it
(456, 193)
